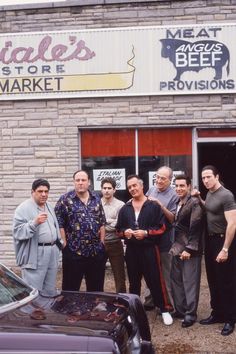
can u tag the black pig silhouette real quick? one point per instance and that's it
(172, 46)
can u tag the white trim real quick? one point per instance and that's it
(194, 158)
(195, 141)
(216, 139)
(136, 152)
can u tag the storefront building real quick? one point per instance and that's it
(116, 88)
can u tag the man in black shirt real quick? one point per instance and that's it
(140, 222)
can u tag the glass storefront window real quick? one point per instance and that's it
(105, 164)
(121, 152)
(149, 164)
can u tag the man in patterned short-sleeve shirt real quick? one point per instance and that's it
(81, 219)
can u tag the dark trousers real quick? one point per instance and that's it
(144, 261)
(115, 254)
(221, 279)
(75, 267)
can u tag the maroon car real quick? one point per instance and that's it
(72, 322)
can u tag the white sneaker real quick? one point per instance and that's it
(167, 318)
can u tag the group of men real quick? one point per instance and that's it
(163, 234)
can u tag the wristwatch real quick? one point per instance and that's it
(226, 250)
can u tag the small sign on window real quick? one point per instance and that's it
(153, 174)
(117, 174)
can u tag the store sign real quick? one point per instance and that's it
(152, 178)
(152, 175)
(117, 174)
(118, 62)
(175, 173)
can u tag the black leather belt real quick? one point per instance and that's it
(47, 243)
(216, 235)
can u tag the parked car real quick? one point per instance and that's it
(72, 322)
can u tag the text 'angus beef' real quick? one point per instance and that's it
(195, 56)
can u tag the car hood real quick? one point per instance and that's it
(88, 314)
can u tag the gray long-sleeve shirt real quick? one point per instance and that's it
(27, 235)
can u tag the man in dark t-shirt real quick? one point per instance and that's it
(220, 251)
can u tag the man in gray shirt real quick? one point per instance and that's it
(220, 250)
(36, 238)
(164, 195)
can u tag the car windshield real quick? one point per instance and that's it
(12, 288)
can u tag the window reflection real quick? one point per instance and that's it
(11, 287)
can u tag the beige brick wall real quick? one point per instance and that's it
(40, 138)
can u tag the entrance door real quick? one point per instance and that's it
(218, 150)
(223, 156)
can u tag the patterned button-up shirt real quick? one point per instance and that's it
(81, 222)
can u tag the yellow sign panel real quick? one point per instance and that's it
(70, 83)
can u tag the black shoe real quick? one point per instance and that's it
(227, 329)
(177, 315)
(210, 320)
(149, 307)
(187, 323)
